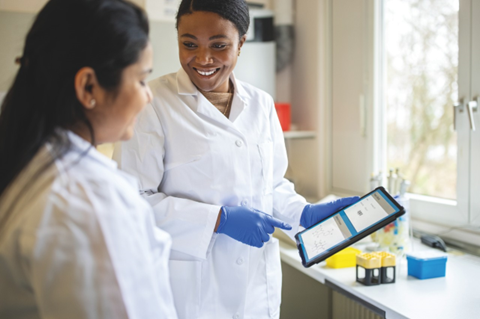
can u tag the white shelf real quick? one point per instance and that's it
(299, 134)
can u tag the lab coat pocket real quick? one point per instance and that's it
(274, 276)
(182, 150)
(185, 170)
(266, 156)
(179, 161)
(185, 279)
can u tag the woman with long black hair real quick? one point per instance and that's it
(76, 239)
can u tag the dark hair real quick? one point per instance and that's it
(236, 11)
(106, 35)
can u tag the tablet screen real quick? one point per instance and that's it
(345, 224)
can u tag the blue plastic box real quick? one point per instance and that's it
(427, 264)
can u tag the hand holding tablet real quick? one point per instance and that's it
(313, 213)
(347, 226)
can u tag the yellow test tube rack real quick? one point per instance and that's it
(376, 267)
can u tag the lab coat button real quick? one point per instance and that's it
(244, 203)
(236, 316)
(239, 143)
(239, 261)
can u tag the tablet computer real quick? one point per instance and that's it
(347, 226)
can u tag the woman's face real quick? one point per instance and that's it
(208, 49)
(113, 118)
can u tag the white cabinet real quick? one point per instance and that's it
(351, 101)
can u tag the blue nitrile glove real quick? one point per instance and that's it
(312, 214)
(248, 225)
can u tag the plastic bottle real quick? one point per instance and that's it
(395, 237)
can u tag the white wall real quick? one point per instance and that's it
(13, 29)
(30, 6)
(15, 25)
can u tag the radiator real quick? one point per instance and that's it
(344, 307)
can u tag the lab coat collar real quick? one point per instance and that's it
(80, 145)
(239, 89)
(239, 102)
(186, 87)
(184, 84)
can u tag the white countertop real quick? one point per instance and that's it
(457, 295)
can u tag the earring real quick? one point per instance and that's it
(239, 52)
(93, 102)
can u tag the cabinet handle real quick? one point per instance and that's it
(472, 107)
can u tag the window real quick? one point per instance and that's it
(421, 67)
(398, 67)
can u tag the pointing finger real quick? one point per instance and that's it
(280, 224)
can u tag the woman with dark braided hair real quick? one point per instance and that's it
(76, 239)
(210, 156)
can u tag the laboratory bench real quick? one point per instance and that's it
(457, 295)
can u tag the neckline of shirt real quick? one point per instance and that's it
(83, 146)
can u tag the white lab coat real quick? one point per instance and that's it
(81, 243)
(190, 160)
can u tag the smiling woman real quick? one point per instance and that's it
(210, 156)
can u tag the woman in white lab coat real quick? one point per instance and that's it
(76, 239)
(210, 156)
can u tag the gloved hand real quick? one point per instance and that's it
(248, 225)
(312, 214)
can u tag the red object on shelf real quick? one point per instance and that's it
(283, 112)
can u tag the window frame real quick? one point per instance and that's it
(451, 218)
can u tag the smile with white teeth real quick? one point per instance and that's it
(206, 73)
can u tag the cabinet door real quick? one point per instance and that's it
(350, 143)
